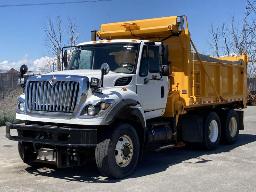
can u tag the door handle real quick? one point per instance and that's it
(162, 91)
(156, 77)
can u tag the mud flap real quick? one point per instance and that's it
(240, 119)
(192, 128)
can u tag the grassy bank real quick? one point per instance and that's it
(6, 117)
(8, 107)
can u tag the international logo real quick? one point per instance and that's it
(53, 80)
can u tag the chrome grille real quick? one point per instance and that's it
(58, 97)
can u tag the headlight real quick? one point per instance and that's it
(93, 110)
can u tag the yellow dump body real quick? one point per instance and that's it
(195, 80)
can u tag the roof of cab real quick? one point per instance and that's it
(113, 41)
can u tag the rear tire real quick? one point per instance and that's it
(117, 154)
(211, 131)
(230, 130)
(27, 153)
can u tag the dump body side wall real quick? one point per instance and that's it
(226, 78)
(201, 82)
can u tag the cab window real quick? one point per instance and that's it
(153, 59)
(144, 63)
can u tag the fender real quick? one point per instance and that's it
(122, 111)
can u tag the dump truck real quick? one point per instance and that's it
(136, 85)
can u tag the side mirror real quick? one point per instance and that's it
(105, 68)
(23, 70)
(65, 59)
(104, 71)
(165, 61)
(165, 70)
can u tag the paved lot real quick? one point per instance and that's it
(229, 168)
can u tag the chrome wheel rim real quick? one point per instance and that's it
(124, 151)
(232, 126)
(213, 131)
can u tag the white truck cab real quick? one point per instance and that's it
(107, 86)
(134, 74)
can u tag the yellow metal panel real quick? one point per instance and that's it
(156, 27)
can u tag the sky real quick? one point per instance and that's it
(22, 36)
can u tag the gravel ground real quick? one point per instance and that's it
(229, 168)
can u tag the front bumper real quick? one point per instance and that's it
(50, 118)
(52, 135)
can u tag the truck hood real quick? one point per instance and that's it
(109, 79)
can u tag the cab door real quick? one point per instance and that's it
(152, 88)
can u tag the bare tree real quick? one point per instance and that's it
(226, 39)
(56, 36)
(249, 36)
(54, 42)
(238, 37)
(72, 31)
(215, 40)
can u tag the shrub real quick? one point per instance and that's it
(8, 107)
(7, 117)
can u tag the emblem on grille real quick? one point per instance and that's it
(52, 81)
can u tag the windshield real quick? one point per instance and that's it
(121, 57)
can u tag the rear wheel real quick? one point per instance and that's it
(211, 131)
(27, 153)
(230, 130)
(117, 155)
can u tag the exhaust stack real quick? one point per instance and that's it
(93, 35)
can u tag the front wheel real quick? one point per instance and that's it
(117, 154)
(27, 153)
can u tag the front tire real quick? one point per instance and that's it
(27, 153)
(211, 131)
(117, 154)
